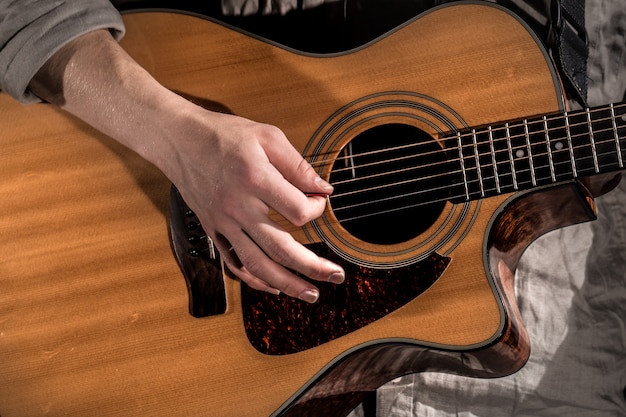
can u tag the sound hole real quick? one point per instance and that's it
(391, 184)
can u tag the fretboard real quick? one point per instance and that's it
(538, 151)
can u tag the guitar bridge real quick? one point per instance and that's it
(366, 296)
(197, 258)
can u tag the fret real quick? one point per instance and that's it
(561, 148)
(549, 148)
(476, 164)
(570, 143)
(495, 165)
(605, 128)
(511, 158)
(545, 150)
(594, 151)
(462, 162)
(540, 152)
(616, 137)
(529, 152)
(584, 148)
(494, 160)
(478, 168)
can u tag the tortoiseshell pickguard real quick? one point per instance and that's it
(280, 325)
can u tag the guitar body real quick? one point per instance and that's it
(93, 317)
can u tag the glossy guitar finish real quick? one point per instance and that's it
(93, 317)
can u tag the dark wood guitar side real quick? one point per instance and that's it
(93, 317)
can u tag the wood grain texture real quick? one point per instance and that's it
(93, 308)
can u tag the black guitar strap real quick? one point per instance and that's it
(561, 24)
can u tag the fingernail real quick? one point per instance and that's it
(310, 296)
(273, 291)
(319, 181)
(337, 277)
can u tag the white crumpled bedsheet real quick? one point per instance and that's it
(571, 287)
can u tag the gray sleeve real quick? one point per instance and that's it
(31, 31)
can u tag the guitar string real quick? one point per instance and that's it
(483, 179)
(555, 154)
(410, 206)
(489, 154)
(612, 118)
(520, 125)
(495, 131)
(442, 199)
(483, 143)
(447, 187)
(430, 190)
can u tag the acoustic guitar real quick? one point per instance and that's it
(450, 148)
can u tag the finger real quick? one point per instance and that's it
(294, 167)
(257, 270)
(284, 250)
(250, 280)
(234, 264)
(273, 189)
(298, 208)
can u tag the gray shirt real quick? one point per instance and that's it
(31, 31)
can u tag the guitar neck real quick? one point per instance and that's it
(539, 151)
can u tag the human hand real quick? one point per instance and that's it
(235, 172)
(231, 171)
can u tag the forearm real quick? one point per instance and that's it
(94, 79)
(33, 30)
(230, 170)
